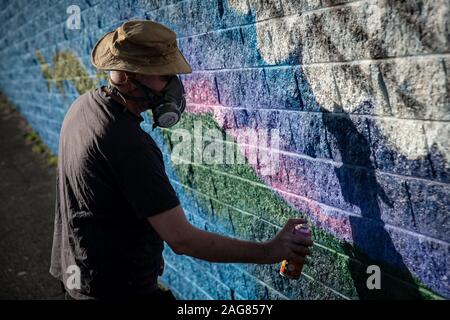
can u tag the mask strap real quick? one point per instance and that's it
(147, 91)
(112, 86)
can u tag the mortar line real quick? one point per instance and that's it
(332, 162)
(417, 57)
(341, 211)
(388, 274)
(259, 280)
(258, 184)
(422, 56)
(189, 281)
(287, 16)
(241, 270)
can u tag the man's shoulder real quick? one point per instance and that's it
(85, 113)
(88, 97)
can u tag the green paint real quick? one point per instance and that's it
(67, 67)
(224, 190)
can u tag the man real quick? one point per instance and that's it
(115, 205)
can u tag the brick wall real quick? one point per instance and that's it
(358, 91)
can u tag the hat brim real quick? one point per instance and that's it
(103, 59)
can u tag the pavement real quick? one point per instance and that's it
(27, 200)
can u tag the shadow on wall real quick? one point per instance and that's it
(357, 176)
(359, 187)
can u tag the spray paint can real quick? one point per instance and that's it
(292, 269)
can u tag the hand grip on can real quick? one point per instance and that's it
(292, 269)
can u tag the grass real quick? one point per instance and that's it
(32, 137)
(38, 146)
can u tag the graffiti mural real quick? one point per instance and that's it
(358, 92)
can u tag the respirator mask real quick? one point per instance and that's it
(166, 106)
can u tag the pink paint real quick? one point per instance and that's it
(200, 91)
(287, 182)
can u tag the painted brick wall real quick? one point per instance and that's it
(359, 92)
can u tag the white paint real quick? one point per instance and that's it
(278, 38)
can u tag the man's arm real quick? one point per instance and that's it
(184, 238)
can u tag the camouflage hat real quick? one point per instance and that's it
(140, 46)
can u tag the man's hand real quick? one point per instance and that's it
(173, 227)
(286, 245)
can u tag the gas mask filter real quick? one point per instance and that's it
(166, 106)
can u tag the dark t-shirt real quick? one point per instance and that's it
(110, 179)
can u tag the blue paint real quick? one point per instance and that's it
(417, 244)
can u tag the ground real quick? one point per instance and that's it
(27, 199)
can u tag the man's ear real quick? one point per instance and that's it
(120, 80)
(118, 77)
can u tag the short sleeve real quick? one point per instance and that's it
(141, 176)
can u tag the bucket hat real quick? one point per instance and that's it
(140, 46)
